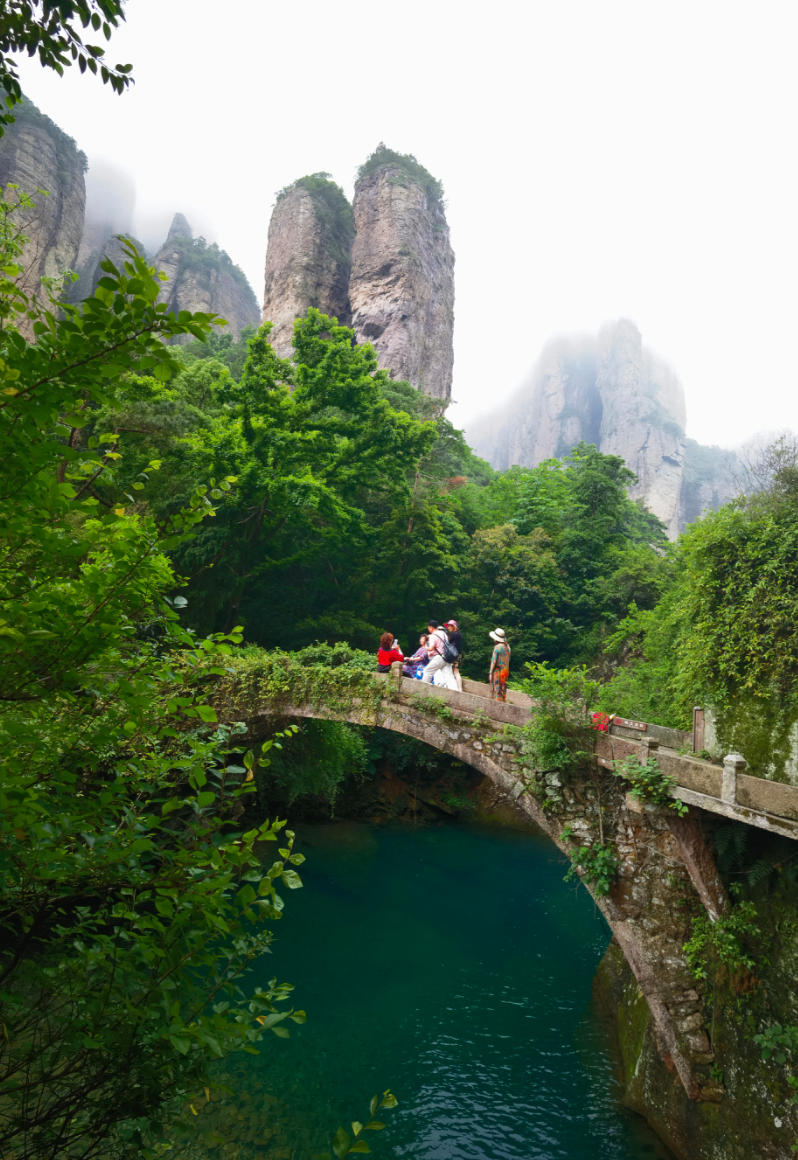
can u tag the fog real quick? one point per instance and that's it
(600, 159)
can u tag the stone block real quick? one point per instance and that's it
(770, 797)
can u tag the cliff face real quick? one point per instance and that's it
(610, 390)
(561, 406)
(36, 154)
(203, 277)
(402, 284)
(643, 419)
(308, 260)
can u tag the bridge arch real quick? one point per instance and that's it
(663, 858)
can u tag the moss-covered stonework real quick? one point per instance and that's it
(750, 1113)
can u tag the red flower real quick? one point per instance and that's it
(601, 721)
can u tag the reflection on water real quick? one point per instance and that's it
(453, 965)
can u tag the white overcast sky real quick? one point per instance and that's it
(600, 159)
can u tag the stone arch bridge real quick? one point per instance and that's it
(666, 863)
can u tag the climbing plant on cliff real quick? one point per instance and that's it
(131, 903)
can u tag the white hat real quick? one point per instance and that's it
(498, 634)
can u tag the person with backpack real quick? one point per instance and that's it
(441, 655)
(456, 641)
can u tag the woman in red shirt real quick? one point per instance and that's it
(388, 652)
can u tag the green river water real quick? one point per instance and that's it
(452, 964)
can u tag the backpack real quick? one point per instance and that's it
(449, 652)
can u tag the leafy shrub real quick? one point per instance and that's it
(723, 942)
(597, 864)
(777, 1042)
(559, 733)
(648, 783)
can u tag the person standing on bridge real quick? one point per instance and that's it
(456, 640)
(499, 666)
(438, 666)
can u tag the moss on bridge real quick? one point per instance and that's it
(336, 677)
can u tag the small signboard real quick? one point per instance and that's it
(624, 724)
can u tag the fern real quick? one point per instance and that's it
(730, 842)
(760, 871)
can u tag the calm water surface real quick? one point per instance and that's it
(454, 965)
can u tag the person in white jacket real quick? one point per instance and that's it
(437, 666)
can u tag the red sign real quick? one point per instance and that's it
(639, 725)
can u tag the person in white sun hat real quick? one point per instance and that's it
(499, 666)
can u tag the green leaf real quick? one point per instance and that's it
(246, 895)
(291, 879)
(341, 1143)
(360, 1146)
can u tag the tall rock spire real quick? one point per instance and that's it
(180, 228)
(309, 256)
(402, 284)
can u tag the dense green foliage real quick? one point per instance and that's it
(49, 29)
(360, 508)
(222, 347)
(407, 163)
(724, 632)
(559, 576)
(131, 903)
